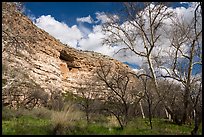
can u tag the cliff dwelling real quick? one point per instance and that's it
(68, 65)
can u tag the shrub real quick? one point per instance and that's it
(41, 112)
(22, 112)
(7, 113)
(64, 121)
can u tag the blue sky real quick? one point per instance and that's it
(78, 24)
(69, 11)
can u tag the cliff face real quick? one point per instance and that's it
(30, 55)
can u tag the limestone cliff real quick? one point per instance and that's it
(29, 54)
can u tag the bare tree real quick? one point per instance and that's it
(89, 96)
(56, 100)
(196, 99)
(148, 97)
(120, 91)
(186, 42)
(144, 24)
(138, 28)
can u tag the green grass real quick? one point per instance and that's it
(32, 125)
(160, 127)
(26, 126)
(137, 127)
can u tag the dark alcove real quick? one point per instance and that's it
(66, 57)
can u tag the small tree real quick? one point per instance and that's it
(148, 97)
(56, 100)
(88, 99)
(120, 90)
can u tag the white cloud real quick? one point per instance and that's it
(85, 19)
(184, 2)
(67, 35)
(93, 42)
(101, 16)
(84, 30)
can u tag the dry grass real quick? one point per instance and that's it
(65, 120)
(112, 121)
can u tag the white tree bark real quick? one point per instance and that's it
(141, 108)
(167, 114)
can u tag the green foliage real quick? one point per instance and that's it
(70, 97)
(25, 125)
(70, 121)
(41, 112)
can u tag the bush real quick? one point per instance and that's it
(7, 113)
(22, 112)
(41, 112)
(63, 122)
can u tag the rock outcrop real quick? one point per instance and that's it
(44, 60)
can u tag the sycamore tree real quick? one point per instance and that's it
(140, 32)
(157, 34)
(186, 44)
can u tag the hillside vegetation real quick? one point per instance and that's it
(40, 122)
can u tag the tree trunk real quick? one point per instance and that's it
(87, 118)
(150, 113)
(121, 125)
(197, 122)
(168, 115)
(141, 108)
(186, 103)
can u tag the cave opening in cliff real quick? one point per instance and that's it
(66, 57)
